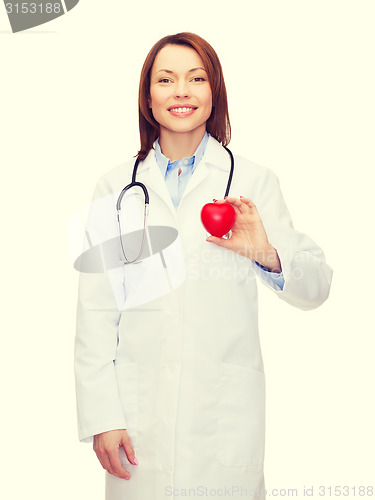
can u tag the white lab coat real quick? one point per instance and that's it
(183, 372)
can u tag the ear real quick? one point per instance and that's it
(149, 103)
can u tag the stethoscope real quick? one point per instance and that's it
(134, 183)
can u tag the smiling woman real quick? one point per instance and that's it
(172, 392)
(182, 71)
(181, 102)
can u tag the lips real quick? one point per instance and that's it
(182, 107)
(182, 111)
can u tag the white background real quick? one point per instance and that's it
(300, 81)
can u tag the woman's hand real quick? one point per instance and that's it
(106, 446)
(249, 237)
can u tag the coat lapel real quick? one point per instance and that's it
(214, 157)
(150, 174)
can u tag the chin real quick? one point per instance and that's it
(183, 127)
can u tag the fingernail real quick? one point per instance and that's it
(225, 197)
(127, 478)
(136, 461)
(241, 196)
(214, 199)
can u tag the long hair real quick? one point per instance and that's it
(218, 124)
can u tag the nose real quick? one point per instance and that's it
(182, 89)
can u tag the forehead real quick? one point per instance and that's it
(177, 58)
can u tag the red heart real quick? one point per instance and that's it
(218, 218)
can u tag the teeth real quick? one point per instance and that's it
(181, 110)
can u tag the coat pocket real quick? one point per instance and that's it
(127, 381)
(241, 416)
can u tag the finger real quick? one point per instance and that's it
(103, 459)
(221, 242)
(248, 202)
(130, 453)
(116, 468)
(242, 207)
(224, 201)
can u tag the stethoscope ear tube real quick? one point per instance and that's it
(132, 184)
(231, 171)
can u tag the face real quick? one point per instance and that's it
(181, 98)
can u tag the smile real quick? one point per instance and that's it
(182, 111)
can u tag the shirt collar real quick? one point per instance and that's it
(194, 160)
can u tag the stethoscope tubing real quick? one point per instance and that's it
(134, 183)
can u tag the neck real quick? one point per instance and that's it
(178, 145)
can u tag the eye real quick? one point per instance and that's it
(163, 80)
(199, 78)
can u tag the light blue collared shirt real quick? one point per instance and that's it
(176, 185)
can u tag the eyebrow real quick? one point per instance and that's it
(171, 72)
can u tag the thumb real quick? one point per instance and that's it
(129, 450)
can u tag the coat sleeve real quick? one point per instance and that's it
(97, 319)
(307, 275)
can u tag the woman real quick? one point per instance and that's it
(169, 377)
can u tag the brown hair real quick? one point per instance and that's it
(218, 124)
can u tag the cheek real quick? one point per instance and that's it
(207, 97)
(159, 97)
(155, 97)
(208, 102)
